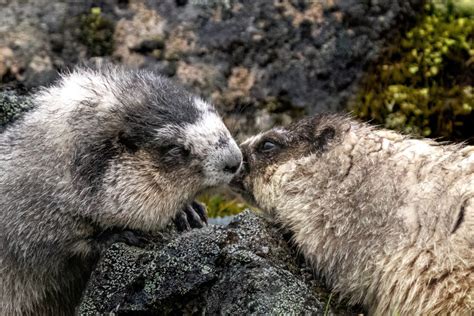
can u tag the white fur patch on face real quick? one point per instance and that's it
(211, 140)
(253, 140)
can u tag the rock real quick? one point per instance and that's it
(12, 106)
(275, 60)
(244, 268)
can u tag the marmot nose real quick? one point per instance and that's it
(232, 167)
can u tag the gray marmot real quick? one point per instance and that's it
(104, 149)
(386, 221)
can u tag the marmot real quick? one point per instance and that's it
(104, 149)
(385, 220)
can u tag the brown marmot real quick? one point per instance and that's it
(104, 150)
(385, 220)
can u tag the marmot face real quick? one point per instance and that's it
(139, 143)
(270, 158)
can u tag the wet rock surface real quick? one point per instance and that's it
(243, 268)
(261, 62)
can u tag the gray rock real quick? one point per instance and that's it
(12, 106)
(244, 268)
(223, 221)
(261, 62)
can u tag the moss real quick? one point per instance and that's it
(96, 33)
(423, 85)
(282, 105)
(220, 205)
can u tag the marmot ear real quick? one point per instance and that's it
(323, 137)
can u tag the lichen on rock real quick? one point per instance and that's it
(244, 268)
(12, 106)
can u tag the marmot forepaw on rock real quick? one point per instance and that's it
(386, 221)
(104, 150)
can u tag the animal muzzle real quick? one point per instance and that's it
(223, 164)
(237, 182)
(232, 161)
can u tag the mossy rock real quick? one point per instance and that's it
(96, 33)
(424, 84)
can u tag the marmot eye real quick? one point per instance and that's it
(176, 151)
(268, 146)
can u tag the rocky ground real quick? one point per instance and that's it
(261, 62)
(245, 268)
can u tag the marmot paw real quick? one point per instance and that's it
(193, 215)
(129, 237)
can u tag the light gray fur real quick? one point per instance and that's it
(61, 185)
(387, 221)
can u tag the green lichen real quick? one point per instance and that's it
(96, 33)
(221, 204)
(282, 105)
(424, 84)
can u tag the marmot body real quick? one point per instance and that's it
(104, 149)
(385, 220)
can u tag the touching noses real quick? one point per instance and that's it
(232, 167)
(233, 161)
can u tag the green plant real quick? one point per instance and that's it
(96, 33)
(423, 85)
(220, 205)
(328, 305)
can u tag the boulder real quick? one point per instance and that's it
(244, 268)
(261, 62)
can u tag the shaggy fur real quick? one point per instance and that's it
(104, 150)
(386, 221)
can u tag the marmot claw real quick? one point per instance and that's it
(194, 215)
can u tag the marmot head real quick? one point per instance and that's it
(143, 145)
(279, 156)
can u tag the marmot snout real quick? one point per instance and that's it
(385, 220)
(104, 149)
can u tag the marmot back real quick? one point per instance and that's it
(106, 149)
(385, 220)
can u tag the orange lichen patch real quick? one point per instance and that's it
(146, 24)
(180, 41)
(41, 63)
(339, 16)
(241, 81)
(197, 74)
(313, 13)
(6, 59)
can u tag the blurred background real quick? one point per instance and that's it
(401, 64)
